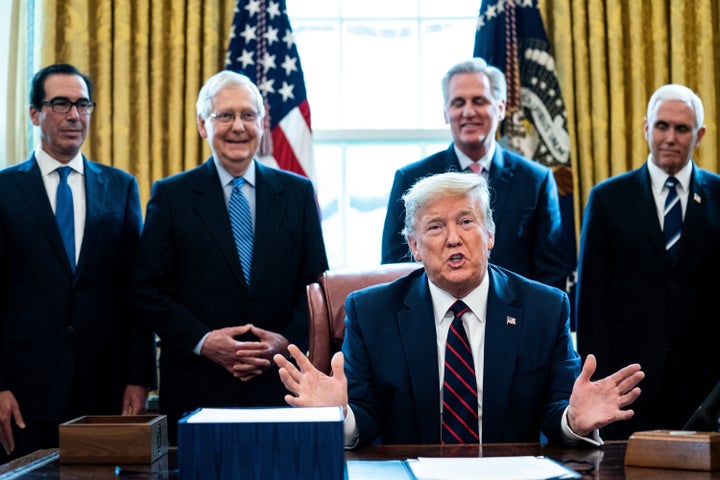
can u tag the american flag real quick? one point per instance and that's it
(262, 47)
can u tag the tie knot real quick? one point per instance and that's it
(63, 172)
(476, 167)
(459, 308)
(671, 183)
(238, 182)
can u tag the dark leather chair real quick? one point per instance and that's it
(326, 303)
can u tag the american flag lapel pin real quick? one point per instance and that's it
(510, 321)
(697, 198)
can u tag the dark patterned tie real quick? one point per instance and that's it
(65, 214)
(672, 225)
(460, 397)
(241, 223)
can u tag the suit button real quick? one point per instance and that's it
(70, 329)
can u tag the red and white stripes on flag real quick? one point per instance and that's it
(262, 47)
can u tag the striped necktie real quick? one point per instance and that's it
(460, 396)
(672, 224)
(241, 223)
(65, 214)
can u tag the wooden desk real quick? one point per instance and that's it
(606, 463)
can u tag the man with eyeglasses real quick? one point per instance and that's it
(227, 251)
(69, 230)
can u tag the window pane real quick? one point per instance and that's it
(379, 71)
(379, 8)
(318, 45)
(443, 43)
(454, 8)
(312, 9)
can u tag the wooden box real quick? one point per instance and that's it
(139, 439)
(684, 450)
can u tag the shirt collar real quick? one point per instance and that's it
(476, 300)
(48, 164)
(226, 178)
(658, 176)
(484, 161)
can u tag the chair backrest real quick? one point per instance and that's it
(326, 304)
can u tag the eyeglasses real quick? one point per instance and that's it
(64, 105)
(247, 117)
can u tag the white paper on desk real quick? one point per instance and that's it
(489, 468)
(267, 415)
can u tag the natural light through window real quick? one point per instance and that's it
(372, 72)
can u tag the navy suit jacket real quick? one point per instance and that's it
(189, 280)
(524, 200)
(391, 361)
(635, 305)
(59, 330)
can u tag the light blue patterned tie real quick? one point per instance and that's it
(65, 215)
(672, 225)
(241, 223)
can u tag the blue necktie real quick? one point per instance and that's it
(460, 396)
(241, 223)
(672, 225)
(65, 215)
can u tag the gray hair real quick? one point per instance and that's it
(675, 91)
(498, 84)
(221, 81)
(450, 184)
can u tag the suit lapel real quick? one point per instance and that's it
(418, 337)
(209, 203)
(502, 336)
(500, 178)
(268, 198)
(644, 203)
(96, 197)
(694, 212)
(33, 190)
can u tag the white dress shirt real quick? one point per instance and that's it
(76, 181)
(660, 192)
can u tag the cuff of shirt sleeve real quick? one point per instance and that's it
(573, 438)
(351, 433)
(198, 347)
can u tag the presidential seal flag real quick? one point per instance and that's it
(262, 47)
(510, 36)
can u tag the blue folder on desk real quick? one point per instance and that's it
(262, 443)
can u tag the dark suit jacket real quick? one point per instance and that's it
(524, 200)
(391, 361)
(635, 305)
(189, 280)
(59, 330)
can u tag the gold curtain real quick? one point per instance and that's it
(611, 55)
(148, 60)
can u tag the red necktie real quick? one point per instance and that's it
(460, 397)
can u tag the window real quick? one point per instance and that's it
(372, 72)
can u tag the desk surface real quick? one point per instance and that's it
(606, 463)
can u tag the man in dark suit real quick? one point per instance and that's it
(222, 316)
(524, 196)
(69, 345)
(642, 298)
(396, 382)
